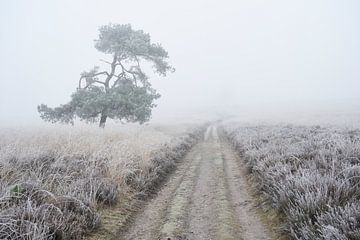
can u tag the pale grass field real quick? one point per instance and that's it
(308, 175)
(53, 179)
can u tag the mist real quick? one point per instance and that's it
(254, 59)
(256, 134)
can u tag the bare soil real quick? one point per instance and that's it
(207, 197)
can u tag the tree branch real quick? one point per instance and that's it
(102, 60)
(119, 77)
(95, 81)
(112, 72)
(84, 76)
(100, 73)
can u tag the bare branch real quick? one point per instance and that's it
(85, 76)
(95, 81)
(97, 74)
(112, 72)
(102, 60)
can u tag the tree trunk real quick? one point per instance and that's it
(102, 120)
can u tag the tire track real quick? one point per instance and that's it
(227, 226)
(176, 217)
(252, 227)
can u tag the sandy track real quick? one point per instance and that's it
(205, 198)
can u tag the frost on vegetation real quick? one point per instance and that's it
(311, 175)
(52, 182)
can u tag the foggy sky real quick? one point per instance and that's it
(226, 53)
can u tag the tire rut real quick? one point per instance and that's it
(176, 216)
(252, 228)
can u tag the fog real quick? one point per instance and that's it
(250, 58)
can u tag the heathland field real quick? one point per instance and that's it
(55, 181)
(212, 181)
(306, 177)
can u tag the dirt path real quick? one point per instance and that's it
(205, 198)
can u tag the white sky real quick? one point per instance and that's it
(226, 53)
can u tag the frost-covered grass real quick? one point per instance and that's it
(311, 175)
(54, 180)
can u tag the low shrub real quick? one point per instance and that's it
(309, 174)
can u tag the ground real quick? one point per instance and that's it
(207, 197)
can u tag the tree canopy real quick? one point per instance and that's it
(124, 91)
